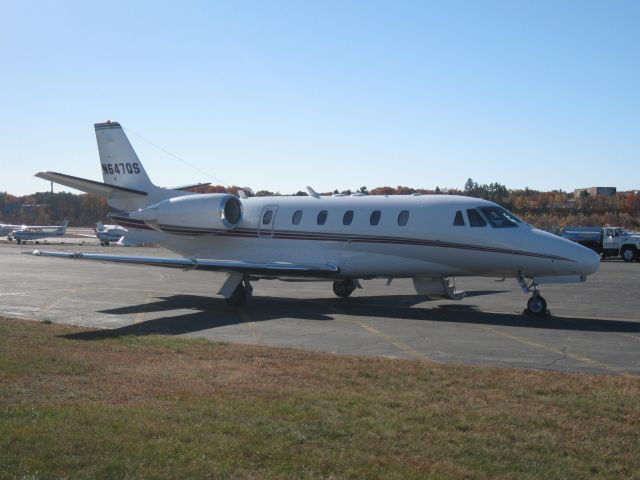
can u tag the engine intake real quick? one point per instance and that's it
(193, 213)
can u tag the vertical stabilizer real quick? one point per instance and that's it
(119, 162)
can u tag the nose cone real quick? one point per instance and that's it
(588, 261)
(578, 260)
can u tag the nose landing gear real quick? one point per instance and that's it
(536, 305)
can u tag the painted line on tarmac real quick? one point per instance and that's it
(542, 346)
(390, 340)
(56, 302)
(143, 310)
(255, 331)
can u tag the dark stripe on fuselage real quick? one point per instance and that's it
(340, 237)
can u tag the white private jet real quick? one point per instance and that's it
(35, 233)
(431, 238)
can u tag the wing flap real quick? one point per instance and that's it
(250, 268)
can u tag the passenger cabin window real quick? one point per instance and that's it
(348, 217)
(475, 219)
(297, 216)
(322, 217)
(374, 219)
(403, 218)
(458, 221)
(500, 218)
(266, 218)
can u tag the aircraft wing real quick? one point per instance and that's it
(85, 185)
(249, 268)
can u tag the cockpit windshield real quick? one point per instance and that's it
(498, 217)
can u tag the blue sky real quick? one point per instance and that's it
(279, 95)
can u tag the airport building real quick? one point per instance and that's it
(596, 191)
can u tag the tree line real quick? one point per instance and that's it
(547, 210)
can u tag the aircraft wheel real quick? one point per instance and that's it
(106, 244)
(18, 241)
(241, 294)
(537, 305)
(629, 254)
(344, 288)
(37, 242)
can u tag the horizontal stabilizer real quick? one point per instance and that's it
(249, 268)
(85, 185)
(188, 187)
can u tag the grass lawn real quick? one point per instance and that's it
(76, 404)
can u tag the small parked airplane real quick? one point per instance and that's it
(108, 234)
(6, 229)
(34, 233)
(429, 238)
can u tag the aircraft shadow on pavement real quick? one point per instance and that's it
(204, 313)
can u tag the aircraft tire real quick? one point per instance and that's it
(240, 295)
(344, 288)
(537, 305)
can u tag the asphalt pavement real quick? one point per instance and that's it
(593, 327)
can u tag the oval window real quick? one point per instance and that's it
(374, 219)
(403, 218)
(348, 217)
(322, 217)
(266, 218)
(297, 216)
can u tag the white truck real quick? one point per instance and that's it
(607, 241)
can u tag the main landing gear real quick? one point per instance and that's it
(536, 305)
(241, 294)
(344, 288)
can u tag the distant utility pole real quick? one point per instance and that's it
(52, 187)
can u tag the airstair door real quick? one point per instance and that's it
(266, 221)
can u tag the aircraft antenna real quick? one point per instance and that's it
(176, 157)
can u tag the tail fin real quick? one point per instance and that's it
(126, 186)
(120, 164)
(63, 228)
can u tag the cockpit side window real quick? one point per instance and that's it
(458, 221)
(475, 219)
(499, 217)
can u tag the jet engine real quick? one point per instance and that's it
(193, 213)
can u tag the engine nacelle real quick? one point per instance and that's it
(212, 211)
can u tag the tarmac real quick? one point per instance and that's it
(594, 327)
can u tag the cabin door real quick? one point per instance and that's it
(266, 221)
